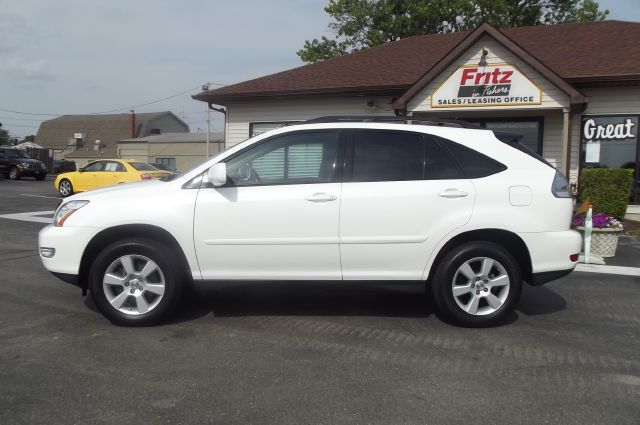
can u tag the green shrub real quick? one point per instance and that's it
(607, 189)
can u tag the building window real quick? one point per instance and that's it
(168, 162)
(531, 129)
(611, 141)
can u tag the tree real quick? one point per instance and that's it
(29, 138)
(360, 24)
(4, 136)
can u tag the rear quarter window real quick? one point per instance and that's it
(474, 164)
(143, 166)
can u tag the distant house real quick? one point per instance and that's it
(178, 151)
(84, 138)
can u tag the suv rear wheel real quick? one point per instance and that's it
(477, 284)
(136, 282)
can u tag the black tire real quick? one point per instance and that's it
(61, 190)
(174, 281)
(443, 283)
(40, 177)
(14, 173)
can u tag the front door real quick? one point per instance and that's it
(277, 217)
(401, 194)
(88, 178)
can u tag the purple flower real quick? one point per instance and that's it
(599, 221)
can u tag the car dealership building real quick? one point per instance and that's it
(572, 90)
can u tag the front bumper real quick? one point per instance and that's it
(31, 172)
(69, 244)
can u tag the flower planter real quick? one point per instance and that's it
(603, 241)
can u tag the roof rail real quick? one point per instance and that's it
(393, 120)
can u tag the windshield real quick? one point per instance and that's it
(143, 166)
(16, 153)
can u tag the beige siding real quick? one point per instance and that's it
(138, 151)
(552, 97)
(186, 154)
(241, 114)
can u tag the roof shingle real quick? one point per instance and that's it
(591, 51)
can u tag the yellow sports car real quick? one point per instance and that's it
(106, 172)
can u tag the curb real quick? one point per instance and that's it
(618, 270)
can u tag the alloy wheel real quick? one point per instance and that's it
(480, 286)
(65, 188)
(133, 284)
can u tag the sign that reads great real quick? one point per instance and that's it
(491, 85)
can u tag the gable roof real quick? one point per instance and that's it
(576, 53)
(55, 133)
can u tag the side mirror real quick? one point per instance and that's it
(217, 174)
(81, 169)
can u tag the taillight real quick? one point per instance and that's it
(560, 186)
(574, 257)
(145, 176)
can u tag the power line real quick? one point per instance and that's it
(112, 110)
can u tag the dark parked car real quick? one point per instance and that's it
(15, 163)
(63, 166)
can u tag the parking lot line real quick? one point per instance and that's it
(33, 216)
(620, 270)
(39, 196)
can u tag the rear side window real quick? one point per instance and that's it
(400, 156)
(387, 156)
(474, 164)
(143, 166)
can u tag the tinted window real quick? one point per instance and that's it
(473, 163)
(291, 159)
(16, 153)
(438, 163)
(387, 156)
(143, 166)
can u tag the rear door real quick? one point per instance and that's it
(401, 194)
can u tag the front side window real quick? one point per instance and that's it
(94, 166)
(299, 158)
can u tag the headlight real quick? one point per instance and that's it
(65, 211)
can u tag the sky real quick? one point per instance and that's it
(89, 56)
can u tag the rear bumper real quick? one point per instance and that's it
(550, 253)
(544, 277)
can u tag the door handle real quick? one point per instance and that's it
(321, 197)
(453, 193)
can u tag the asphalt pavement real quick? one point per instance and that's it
(308, 353)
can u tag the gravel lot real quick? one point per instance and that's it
(293, 353)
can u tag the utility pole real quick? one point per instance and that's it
(205, 87)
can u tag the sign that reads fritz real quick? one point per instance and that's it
(491, 85)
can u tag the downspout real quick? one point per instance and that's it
(223, 111)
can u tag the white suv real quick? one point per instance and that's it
(328, 199)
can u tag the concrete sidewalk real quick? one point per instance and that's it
(626, 262)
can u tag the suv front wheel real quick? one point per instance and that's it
(136, 282)
(477, 284)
